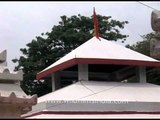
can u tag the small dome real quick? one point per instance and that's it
(6, 70)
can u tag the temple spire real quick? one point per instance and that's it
(95, 20)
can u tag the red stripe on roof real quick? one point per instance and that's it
(56, 68)
(117, 62)
(89, 113)
(74, 61)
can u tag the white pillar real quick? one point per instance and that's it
(83, 72)
(55, 81)
(141, 74)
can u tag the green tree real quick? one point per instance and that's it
(153, 75)
(143, 46)
(63, 38)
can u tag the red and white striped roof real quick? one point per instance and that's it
(100, 51)
(99, 98)
(48, 115)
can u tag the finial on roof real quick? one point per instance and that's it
(95, 20)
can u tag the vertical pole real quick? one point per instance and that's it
(83, 72)
(141, 74)
(56, 81)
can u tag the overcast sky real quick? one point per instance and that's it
(20, 22)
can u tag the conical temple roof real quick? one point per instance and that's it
(102, 51)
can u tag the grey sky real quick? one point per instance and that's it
(20, 22)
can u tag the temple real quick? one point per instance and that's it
(13, 101)
(103, 72)
(109, 80)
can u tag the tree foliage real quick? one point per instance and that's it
(143, 46)
(63, 38)
(153, 76)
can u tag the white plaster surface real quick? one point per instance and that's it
(101, 96)
(95, 90)
(102, 49)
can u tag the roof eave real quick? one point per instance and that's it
(74, 61)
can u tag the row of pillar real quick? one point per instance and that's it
(83, 74)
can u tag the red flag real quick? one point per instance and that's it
(96, 33)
